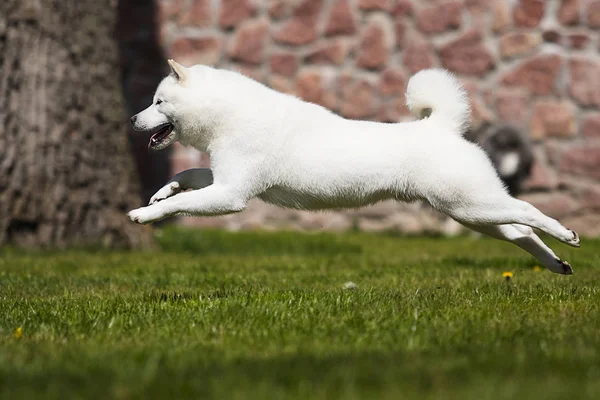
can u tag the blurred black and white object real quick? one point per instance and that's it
(510, 150)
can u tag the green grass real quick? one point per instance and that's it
(263, 315)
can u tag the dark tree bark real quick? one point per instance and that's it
(143, 66)
(66, 172)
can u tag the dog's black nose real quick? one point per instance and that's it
(133, 119)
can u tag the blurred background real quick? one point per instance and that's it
(72, 72)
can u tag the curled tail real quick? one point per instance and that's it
(437, 94)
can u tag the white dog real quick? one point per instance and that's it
(295, 154)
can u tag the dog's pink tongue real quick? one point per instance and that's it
(153, 140)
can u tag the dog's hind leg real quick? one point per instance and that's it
(524, 237)
(508, 210)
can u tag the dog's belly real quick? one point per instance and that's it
(290, 198)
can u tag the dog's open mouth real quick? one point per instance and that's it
(162, 137)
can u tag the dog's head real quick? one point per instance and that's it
(173, 106)
(510, 151)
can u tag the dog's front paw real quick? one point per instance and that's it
(146, 215)
(170, 189)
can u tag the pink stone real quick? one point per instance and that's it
(512, 107)
(359, 100)
(593, 14)
(467, 55)
(582, 160)
(371, 5)
(528, 13)
(502, 17)
(312, 86)
(440, 17)
(302, 27)
(341, 19)
(392, 81)
(584, 81)
(538, 74)
(190, 51)
(591, 125)
(399, 30)
(590, 197)
(281, 84)
(234, 12)
(478, 6)
(284, 63)
(332, 52)
(170, 10)
(249, 42)
(393, 110)
(518, 43)
(553, 118)
(417, 55)
(278, 9)
(568, 12)
(199, 14)
(578, 40)
(374, 46)
(541, 177)
(403, 8)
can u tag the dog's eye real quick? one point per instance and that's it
(158, 101)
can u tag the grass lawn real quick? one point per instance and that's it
(264, 315)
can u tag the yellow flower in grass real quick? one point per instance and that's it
(537, 268)
(19, 333)
(507, 275)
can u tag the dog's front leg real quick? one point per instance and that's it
(216, 199)
(195, 178)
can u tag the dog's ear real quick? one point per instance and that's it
(179, 71)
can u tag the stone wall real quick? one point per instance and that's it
(531, 63)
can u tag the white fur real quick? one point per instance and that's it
(450, 102)
(296, 154)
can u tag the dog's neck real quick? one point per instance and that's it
(233, 122)
(199, 139)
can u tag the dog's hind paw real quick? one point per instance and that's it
(561, 267)
(566, 267)
(574, 241)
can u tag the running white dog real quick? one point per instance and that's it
(295, 154)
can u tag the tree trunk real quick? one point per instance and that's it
(143, 66)
(66, 172)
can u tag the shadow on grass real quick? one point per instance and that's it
(489, 262)
(240, 243)
(202, 373)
